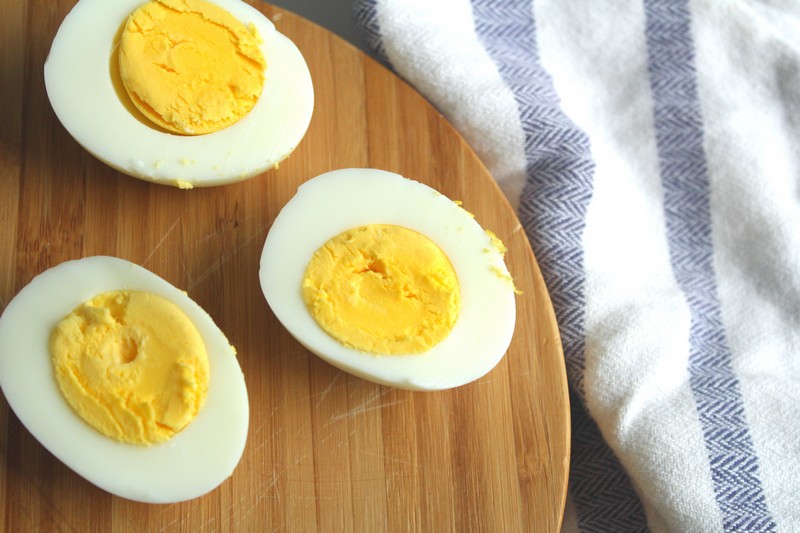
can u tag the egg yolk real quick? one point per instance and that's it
(132, 365)
(382, 289)
(190, 66)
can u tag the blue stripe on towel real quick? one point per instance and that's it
(560, 172)
(679, 135)
(365, 16)
(602, 495)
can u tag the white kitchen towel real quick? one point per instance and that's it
(652, 150)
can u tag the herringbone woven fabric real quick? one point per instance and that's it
(652, 151)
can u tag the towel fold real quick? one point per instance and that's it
(652, 151)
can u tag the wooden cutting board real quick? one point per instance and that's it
(326, 451)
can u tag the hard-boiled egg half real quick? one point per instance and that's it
(387, 279)
(188, 93)
(125, 379)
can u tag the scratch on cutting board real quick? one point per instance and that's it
(177, 519)
(201, 240)
(382, 391)
(184, 267)
(329, 436)
(54, 509)
(338, 443)
(209, 525)
(361, 409)
(384, 457)
(270, 437)
(238, 517)
(327, 390)
(375, 396)
(484, 382)
(210, 270)
(236, 509)
(273, 481)
(300, 459)
(218, 263)
(163, 238)
(205, 238)
(168, 507)
(261, 445)
(358, 409)
(165, 527)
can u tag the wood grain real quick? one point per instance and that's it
(326, 451)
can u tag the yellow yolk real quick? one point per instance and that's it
(132, 365)
(496, 242)
(189, 66)
(498, 245)
(382, 289)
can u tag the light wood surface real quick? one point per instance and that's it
(326, 451)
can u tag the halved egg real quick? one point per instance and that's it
(127, 126)
(350, 267)
(200, 456)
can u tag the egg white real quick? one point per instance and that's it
(192, 463)
(79, 85)
(343, 199)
